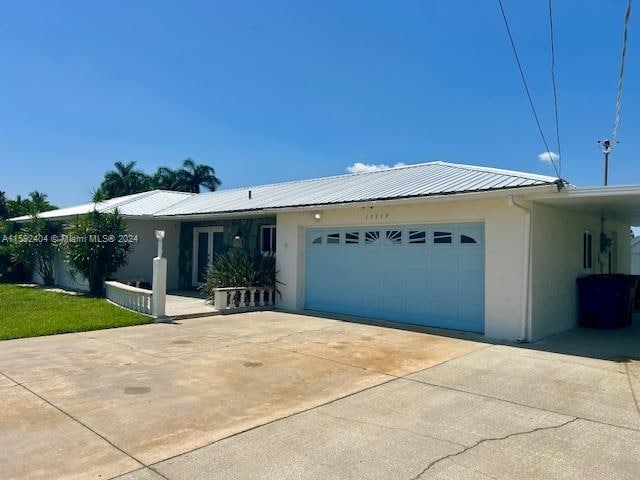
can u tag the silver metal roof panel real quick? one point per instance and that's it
(434, 178)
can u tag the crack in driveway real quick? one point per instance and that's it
(387, 427)
(633, 392)
(484, 440)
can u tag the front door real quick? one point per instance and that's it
(206, 242)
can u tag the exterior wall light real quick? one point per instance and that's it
(317, 216)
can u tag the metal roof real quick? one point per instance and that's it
(138, 204)
(425, 179)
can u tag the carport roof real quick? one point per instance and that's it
(614, 202)
(411, 181)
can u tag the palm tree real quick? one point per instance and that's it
(166, 179)
(124, 180)
(39, 202)
(192, 176)
(17, 207)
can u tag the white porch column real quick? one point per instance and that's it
(159, 285)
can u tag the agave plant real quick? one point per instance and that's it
(237, 269)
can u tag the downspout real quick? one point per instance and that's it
(525, 313)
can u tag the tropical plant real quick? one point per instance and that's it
(94, 249)
(124, 180)
(38, 203)
(11, 270)
(237, 269)
(166, 178)
(98, 195)
(193, 175)
(4, 208)
(36, 247)
(17, 207)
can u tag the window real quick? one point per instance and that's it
(442, 237)
(587, 250)
(268, 239)
(417, 236)
(394, 237)
(371, 238)
(317, 240)
(352, 238)
(333, 238)
(470, 235)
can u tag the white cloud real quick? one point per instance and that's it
(548, 157)
(360, 167)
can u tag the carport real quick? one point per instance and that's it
(604, 250)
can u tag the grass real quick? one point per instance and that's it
(32, 312)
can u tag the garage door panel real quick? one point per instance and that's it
(393, 279)
(428, 275)
(443, 258)
(470, 291)
(393, 304)
(469, 312)
(416, 257)
(445, 312)
(470, 260)
(418, 307)
(418, 281)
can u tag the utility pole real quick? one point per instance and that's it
(607, 146)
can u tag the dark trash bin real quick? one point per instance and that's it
(606, 301)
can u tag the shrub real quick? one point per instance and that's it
(237, 269)
(94, 249)
(36, 247)
(11, 269)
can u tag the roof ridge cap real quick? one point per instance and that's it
(502, 171)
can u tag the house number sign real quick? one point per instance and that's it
(376, 216)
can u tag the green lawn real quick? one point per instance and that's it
(31, 312)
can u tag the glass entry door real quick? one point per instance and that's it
(206, 242)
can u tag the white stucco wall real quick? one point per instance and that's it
(140, 264)
(504, 243)
(557, 260)
(140, 260)
(61, 276)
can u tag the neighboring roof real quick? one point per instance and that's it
(425, 179)
(138, 204)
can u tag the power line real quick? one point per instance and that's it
(555, 88)
(526, 88)
(616, 122)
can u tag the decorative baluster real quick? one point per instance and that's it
(262, 301)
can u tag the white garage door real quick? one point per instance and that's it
(429, 275)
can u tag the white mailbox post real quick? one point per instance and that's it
(159, 285)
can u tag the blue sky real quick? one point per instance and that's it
(273, 91)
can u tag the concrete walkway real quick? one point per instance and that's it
(273, 395)
(185, 304)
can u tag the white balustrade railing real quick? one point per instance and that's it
(132, 298)
(236, 298)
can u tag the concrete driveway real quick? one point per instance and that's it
(277, 395)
